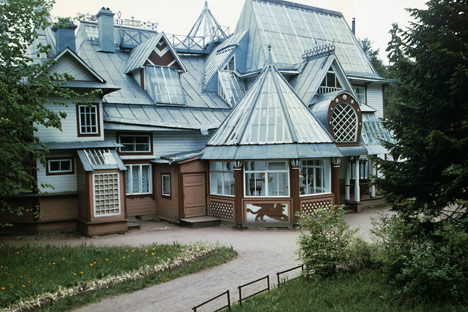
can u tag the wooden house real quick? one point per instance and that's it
(250, 128)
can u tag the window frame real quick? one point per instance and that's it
(118, 190)
(129, 173)
(266, 171)
(97, 119)
(168, 177)
(364, 93)
(222, 174)
(150, 143)
(61, 172)
(326, 168)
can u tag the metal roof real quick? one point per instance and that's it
(81, 145)
(372, 133)
(270, 113)
(292, 29)
(100, 159)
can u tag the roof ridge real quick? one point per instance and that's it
(303, 6)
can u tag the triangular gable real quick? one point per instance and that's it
(70, 63)
(155, 51)
(270, 113)
(315, 70)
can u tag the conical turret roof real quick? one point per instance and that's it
(206, 27)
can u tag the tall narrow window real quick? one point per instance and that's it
(138, 179)
(88, 120)
(222, 178)
(314, 177)
(165, 184)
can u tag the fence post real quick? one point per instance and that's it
(229, 300)
(268, 281)
(240, 295)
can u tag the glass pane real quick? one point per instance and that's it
(128, 180)
(255, 184)
(319, 180)
(135, 179)
(213, 182)
(219, 181)
(277, 165)
(142, 139)
(278, 184)
(330, 79)
(66, 165)
(54, 165)
(126, 140)
(227, 183)
(145, 179)
(142, 147)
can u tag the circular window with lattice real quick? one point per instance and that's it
(344, 123)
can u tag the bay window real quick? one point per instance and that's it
(314, 177)
(138, 179)
(222, 178)
(266, 179)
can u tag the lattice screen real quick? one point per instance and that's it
(222, 210)
(310, 207)
(106, 194)
(344, 123)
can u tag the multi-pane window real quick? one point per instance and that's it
(314, 177)
(88, 120)
(344, 123)
(135, 143)
(330, 83)
(222, 178)
(163, 85)
(138, 179)
(106, 188)
(266, 178)
(361, 94)
(60, 166)
(231, 65)
(165, 184)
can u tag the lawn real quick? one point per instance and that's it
(39, 274)
(360, 291)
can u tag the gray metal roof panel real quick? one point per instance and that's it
(127, 127)
(81, 145)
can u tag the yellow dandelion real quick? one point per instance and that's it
(146, 255)
(152, 248)
(133, 250)
(38, 270)
(17, 252)
(12, 286)
(23, 286)
(29, 282)
(91, 264)
(123, 257)
(126, 250)
(153, 253)
(75, 274)
(63, 259)
(1, 266)
(40, 257)
(41, 285)
(53, 263)
(81, 272)
(146, 250)
(94, 262)
(3, 288)
(107, 259)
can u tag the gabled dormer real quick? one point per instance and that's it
(156, 67)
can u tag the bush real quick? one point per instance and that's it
(429, 265)
(325, 242)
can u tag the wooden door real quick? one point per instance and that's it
(194, 195)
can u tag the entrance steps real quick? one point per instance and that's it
(366, 203)
(198, 222)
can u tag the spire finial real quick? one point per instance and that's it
(270, 57)
(206, 5)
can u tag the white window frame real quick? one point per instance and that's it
(166, 178)
(140, 180)
(363, 94)
(266, 171)
(119, 195)
(221, 172)
(326, 171)
(149, 151)
(52, 172)
(94, 114)
(233, 59)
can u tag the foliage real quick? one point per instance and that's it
(431, 267)
(429, 116)
(325, 241)
(362, 291)
(25, 88)
(373, 56)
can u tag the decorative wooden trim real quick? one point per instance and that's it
(351, 101)
(60, 173)
(221, 207)
(98, 118)
(119, 134)
(308, 206)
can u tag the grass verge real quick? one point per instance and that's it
(31, 272)
(360, 291)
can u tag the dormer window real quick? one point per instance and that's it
(163, 84)
(330, 83)
(231, 65)
(345, 120)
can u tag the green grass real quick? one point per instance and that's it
(360, 291)
(29, 271)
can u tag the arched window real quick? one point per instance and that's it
(345, 120)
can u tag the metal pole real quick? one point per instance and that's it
(229, 300)
(240, 296)
(357, 189)
(348, 180)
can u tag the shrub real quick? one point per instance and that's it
(429, 265)
(324, 242)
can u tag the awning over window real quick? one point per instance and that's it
(99, 159)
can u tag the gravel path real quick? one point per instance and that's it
(261, 253)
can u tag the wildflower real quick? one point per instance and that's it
(91, 264)
(63, 259)
(81, 272)
(17, 252)
(41, 285)
(3, 288)
(123, 257)
(133, 250)
(75, 274)
(23, 286)
(94, 262)
(146, 250)
(107, 259)
(53, 263)
(38, 270)
(153, 253)
(29, 282)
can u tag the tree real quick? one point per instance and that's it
(429, 116)
(373, 56)
(25, 88)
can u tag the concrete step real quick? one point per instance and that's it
(198, 222)
(132, 225)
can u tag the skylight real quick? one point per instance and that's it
(163, 85)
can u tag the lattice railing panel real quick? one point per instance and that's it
(222, 209)
(344, 123)
(310, 207)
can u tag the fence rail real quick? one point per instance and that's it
(214, 298)
(286, 271)
(258, 292)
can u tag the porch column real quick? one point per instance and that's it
(294, 182)
(373, 169)
(336, 179)
(348, 180)
(238, 192)
(357, 189)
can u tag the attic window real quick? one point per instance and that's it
(330, 83)
(230, 88)
(231, 65)
(163, 85)
(92, 32)
(344, 123)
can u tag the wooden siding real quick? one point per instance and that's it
(25, 202)
(61, 183)
(69, 126)
(194, 166)
(375, 98)
(141, 206)
(166, 207)
(67, 64)
(59, 208)
(83, 200)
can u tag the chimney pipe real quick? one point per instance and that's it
(106, 30)
(64, 36)
(353, 27)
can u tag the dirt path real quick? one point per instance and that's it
(261, 252)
